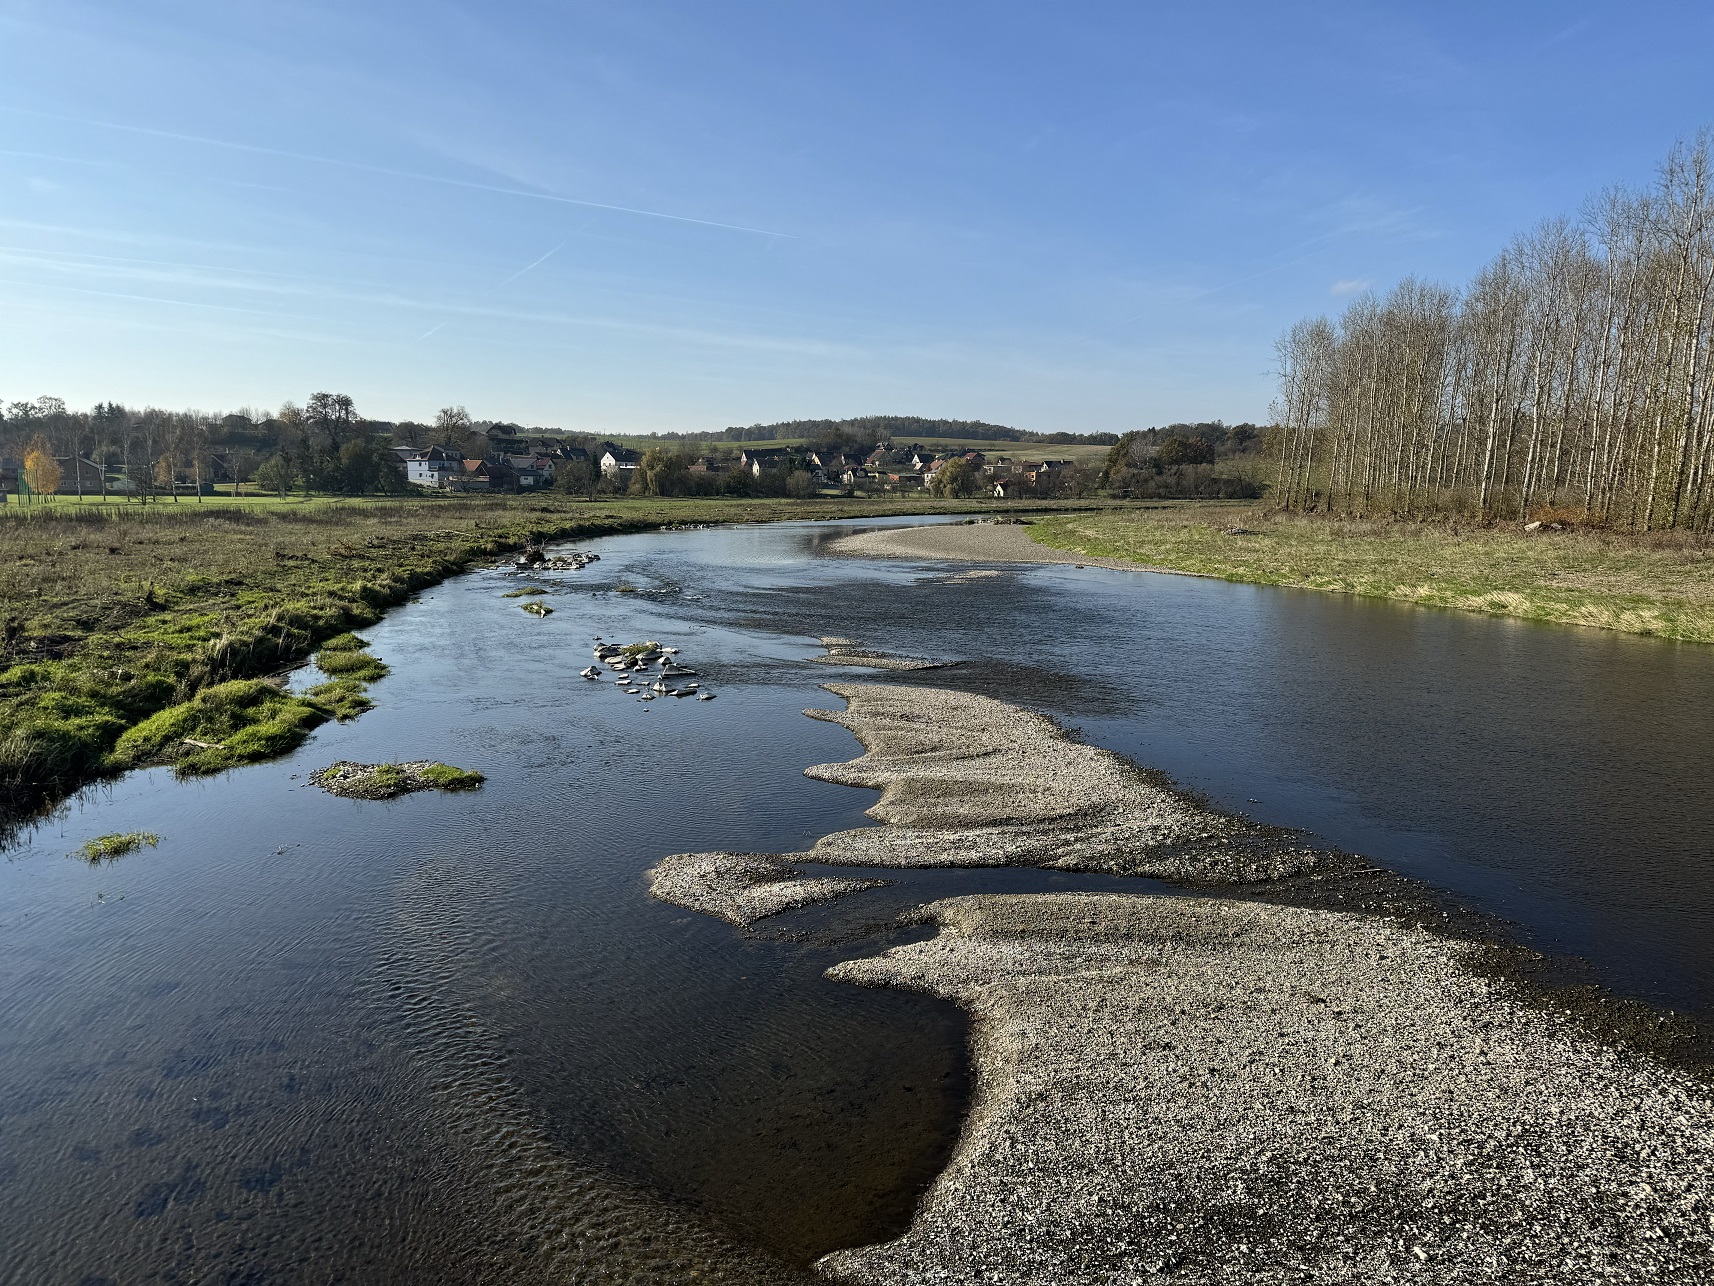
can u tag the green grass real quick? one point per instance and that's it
(344, 699)
(524, 593)
(537, 609)
(238, 722)
(351, 665)
(1660, 585)
(107, 848)
(389, 778)
(446, 777)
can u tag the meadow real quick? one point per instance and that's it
(1659, 584)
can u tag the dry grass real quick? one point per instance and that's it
(1660, 584)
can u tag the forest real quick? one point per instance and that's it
(1567, 383)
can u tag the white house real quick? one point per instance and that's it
(431, 468)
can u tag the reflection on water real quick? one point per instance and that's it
(450, 1038)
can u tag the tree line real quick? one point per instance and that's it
(1569, 380)
(114, 450)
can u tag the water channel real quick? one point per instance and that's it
(451, 1038)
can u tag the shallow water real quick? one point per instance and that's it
(450, 1038)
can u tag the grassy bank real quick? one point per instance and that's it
(1661, 585)
(116, 616)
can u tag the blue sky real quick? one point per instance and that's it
(645, 216)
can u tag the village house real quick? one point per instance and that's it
(619, 462)
(534, 471)
(759, 460)
(505, 439)
(431, 467)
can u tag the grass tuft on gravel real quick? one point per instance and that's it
(446, 777)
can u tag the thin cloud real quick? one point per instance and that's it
(1349, 285)
(392, 173)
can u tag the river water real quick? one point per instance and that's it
(450, 1038)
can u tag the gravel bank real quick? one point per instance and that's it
(388, 781)
(742, 888)
(850, 652)
(980, 542)
(1202, 1090)
(1206, 1090)
(966, 780)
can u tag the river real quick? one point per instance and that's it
(451, 1038)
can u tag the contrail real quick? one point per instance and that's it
(509, 280)
(537, 264)
(391, 173)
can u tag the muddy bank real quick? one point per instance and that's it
(1203, 1090)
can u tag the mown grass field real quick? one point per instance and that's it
(1661, 584)
(157, 621)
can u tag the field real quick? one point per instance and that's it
(119, 615)
(1661, 585)
(1087, 456)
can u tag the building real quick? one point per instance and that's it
(759, 460)
(431, 467)
(619, 462)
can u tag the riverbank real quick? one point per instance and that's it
(1321, 1074)
(1660, 585)
(115, 613)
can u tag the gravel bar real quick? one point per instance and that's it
(966, 780)
(978, 542)
(742, 888)
(1201, 1090)
(1211, 1090)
